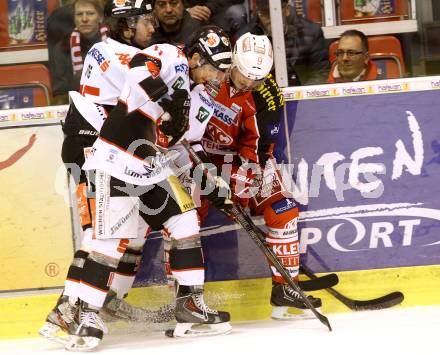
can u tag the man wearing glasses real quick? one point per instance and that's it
(353, 61)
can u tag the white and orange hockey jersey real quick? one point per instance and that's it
(104, 71)
(126, 146)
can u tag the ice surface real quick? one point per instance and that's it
(396, 331)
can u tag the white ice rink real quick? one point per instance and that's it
(399, 331)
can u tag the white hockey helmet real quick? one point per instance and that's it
(253, 56)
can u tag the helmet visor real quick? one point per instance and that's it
(148, 18)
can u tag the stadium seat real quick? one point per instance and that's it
(386, 52)
(34, 76)
(389, 11)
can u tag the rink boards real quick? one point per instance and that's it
(365, 162)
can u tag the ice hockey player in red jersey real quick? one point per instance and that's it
(242, 133)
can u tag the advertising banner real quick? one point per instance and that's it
(366, 171)
(27, 21)
(365, 174)
(24, 22)
(36, 233)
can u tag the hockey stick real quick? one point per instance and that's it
(386, 301)
(257, 236)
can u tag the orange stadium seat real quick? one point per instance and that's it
(389, 11)
(386, 52)
(34, 76)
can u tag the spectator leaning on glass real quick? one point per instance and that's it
(353, 61)
(67, 56)
(306, 50)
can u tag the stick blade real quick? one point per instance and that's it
(390, 300)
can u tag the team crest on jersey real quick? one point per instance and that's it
(225, 114)
(218, 135)
(154, 65)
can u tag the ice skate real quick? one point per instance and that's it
(195, 318)
(284, 297)
(115, 309)
(60, 321)
(89, 331)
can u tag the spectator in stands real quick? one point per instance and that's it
(175, 24)
(228, 14)
(66, 53)
(353, 62)
(306, 49)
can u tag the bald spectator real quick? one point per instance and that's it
(353, 61)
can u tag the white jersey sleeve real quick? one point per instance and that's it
(105, 69)
(155, 73)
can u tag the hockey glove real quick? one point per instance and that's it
(242, 181)
(177, 120)
(220, 195)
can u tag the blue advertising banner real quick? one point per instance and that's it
(367, 169)
(16, 98)
(365, 172)
(27, 21)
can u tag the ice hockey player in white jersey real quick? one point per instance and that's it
(133, 179)
(130, 28)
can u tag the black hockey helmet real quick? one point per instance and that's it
(127, 8)
(213, 44)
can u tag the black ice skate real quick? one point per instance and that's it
(60, 321)
(89, 331)
(283, 297)
(195, 318)
(116, 308)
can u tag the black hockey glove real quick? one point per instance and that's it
(178, 109)
(216, 190)
(220, 195)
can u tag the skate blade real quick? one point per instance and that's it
(282, 313)
(77, 343)
(188, 330)
(53, 333)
